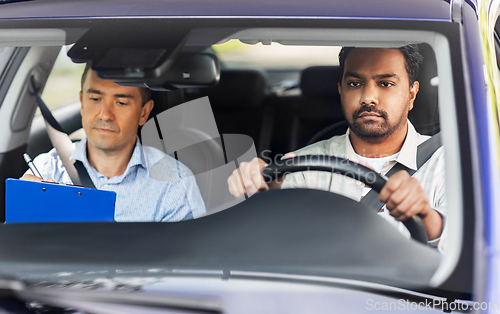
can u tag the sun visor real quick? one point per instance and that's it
(129, 56)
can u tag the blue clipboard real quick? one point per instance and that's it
(27, 201)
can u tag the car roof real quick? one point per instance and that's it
(380, 9)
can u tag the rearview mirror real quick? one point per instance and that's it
(187, 70)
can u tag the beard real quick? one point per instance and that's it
(373, 131)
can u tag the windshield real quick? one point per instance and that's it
(321, 136)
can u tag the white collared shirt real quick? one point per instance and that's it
(431, 175)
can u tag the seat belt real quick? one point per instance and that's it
(424, 152)
(63, 144)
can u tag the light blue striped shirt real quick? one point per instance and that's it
(139, 198)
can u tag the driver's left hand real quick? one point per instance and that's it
(405, 198)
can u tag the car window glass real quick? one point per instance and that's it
(63, 86)
(275, 56)
(5, 54)
(254, 114)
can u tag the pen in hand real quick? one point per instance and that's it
(32, 166)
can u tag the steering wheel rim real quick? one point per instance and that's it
(344, 167)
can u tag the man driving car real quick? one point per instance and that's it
(377, 90)
(116, 161)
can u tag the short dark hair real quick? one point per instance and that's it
(412, 56)
(145, 92)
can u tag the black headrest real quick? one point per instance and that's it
(239, 89)
(425, 112)
(320, 82)
(164, 100)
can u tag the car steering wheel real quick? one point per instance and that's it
(344, 167)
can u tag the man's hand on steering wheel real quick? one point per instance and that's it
(404, 198)
(248, 179)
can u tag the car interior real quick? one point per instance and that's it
(243, 102)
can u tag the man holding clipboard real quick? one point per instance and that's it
(116, 161)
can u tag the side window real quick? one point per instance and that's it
(5, 55)
(63, 86)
